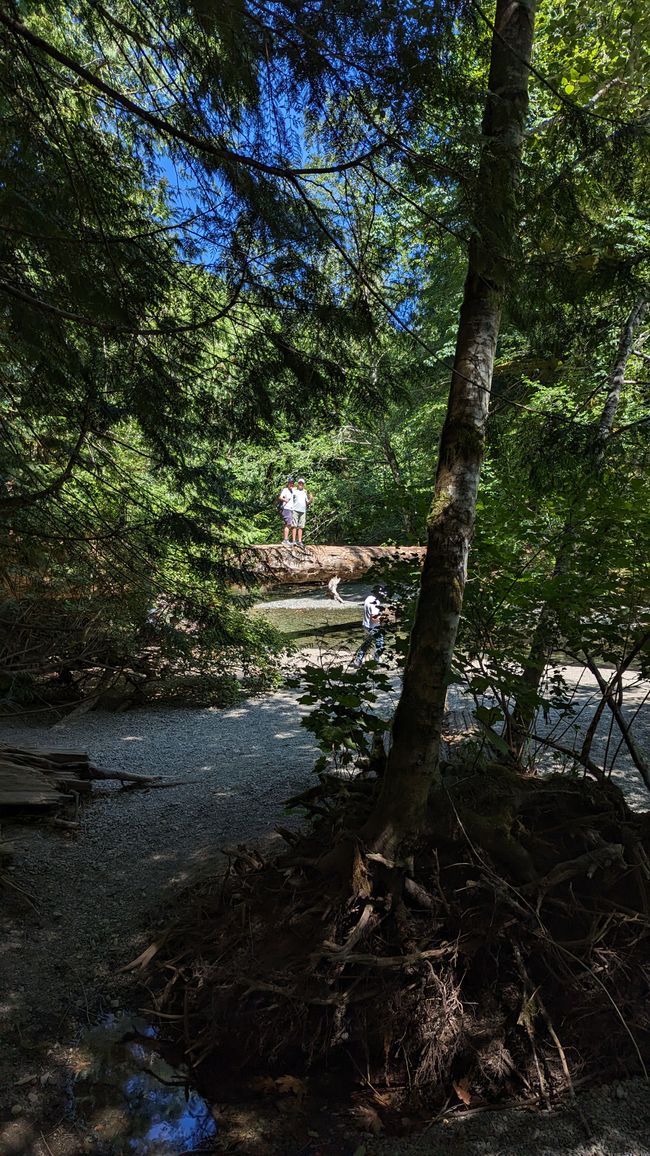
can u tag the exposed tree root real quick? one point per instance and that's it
(469, 970)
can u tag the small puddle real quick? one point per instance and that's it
(130, 1099)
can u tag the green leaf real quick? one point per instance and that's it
(499, 743)
(488, 715)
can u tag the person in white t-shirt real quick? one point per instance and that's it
(373, 610)
(285, 505)
(301, 499)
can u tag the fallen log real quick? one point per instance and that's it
(32, 777)
(37, 757)
(275, 565)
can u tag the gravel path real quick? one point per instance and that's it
(234, 769)
(95, 891)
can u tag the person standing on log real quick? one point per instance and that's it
(373, 616)
(285, 506)
(301, 499)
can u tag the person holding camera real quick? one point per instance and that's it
(374, 613)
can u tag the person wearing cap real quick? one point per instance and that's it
(285, 506)
(373, 610)
(301, 499)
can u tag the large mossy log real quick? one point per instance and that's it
(279, 565)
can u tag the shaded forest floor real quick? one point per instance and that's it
(95, 893)
(400, 992)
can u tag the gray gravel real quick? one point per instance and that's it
(234, 767)
(611, 1121)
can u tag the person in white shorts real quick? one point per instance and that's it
(301, 499)
(285, 505)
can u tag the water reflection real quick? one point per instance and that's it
(307, 617)
(130, 1099)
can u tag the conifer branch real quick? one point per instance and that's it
(161, 125)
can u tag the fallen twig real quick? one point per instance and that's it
(123, 776)
(4, 879)
(339, 1000)
(367, 921)
(391, 960)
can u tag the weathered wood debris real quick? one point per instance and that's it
(31, 777)
(42, 778)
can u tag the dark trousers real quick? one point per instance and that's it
(373, 637)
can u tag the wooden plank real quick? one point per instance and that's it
(9, 768)
(25, 787)
(31, 798)
(24, 759)
(22, 769)
(35, 777)
(81, 786)
(56, 757)
(9, 771)
(77, 768)
(64, 778)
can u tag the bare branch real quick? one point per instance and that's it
(637, 755)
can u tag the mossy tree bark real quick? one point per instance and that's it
(414, 759)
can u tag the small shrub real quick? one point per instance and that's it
(344, 720)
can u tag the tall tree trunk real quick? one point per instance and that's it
(545, 636)
(414, 759)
